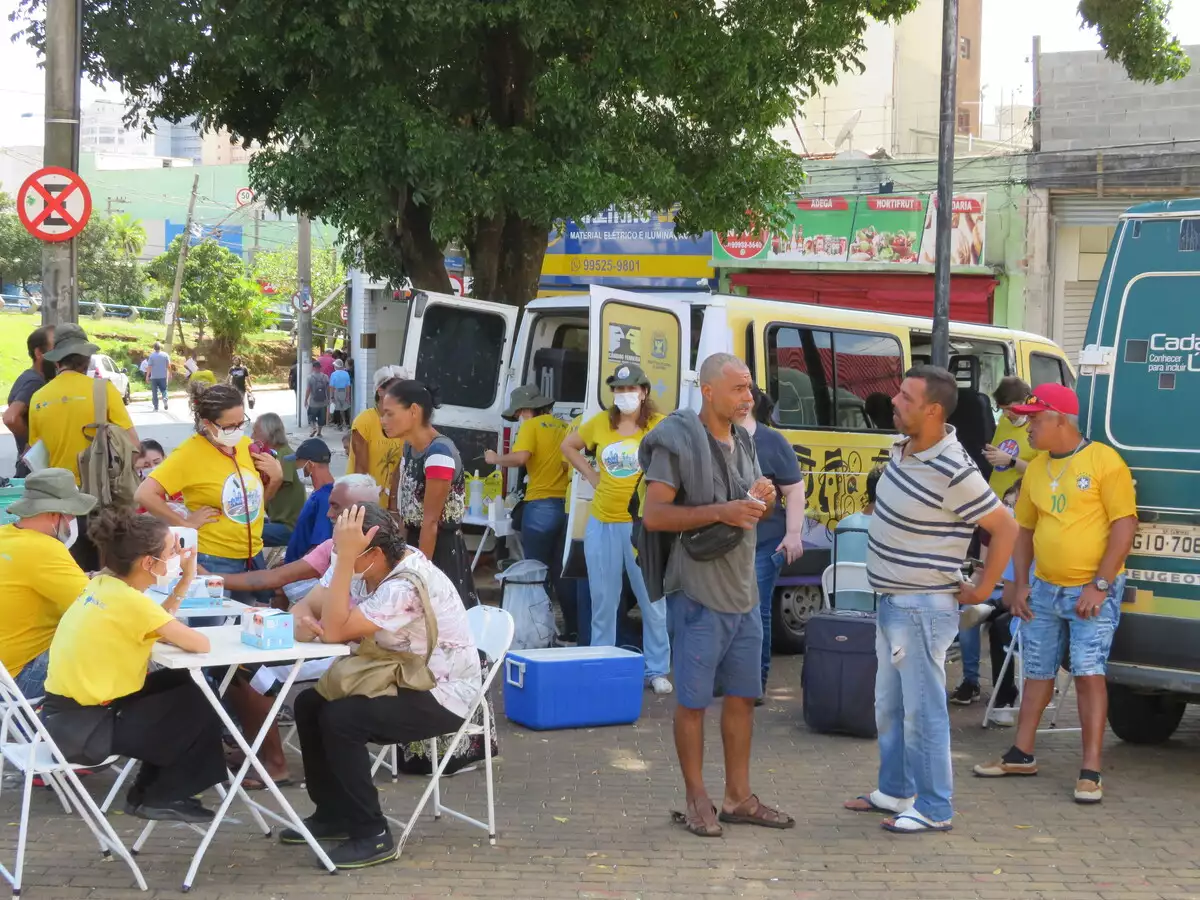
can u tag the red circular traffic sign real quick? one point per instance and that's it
(54, 204)
(746, 245)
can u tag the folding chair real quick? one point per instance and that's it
(848, 578)
(27, 746)
(1012, 657)
(492, 630)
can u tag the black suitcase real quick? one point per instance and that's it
(838, 678)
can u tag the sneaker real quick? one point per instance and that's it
(1004, 716)
(322, 831)
(660, 685)
(358, 853)
(965, 694)
(1088, 791)
(971, 616)
(189, 810)
(1000, 768)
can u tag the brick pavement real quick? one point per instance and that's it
(584, 814)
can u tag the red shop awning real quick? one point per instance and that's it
(908, 294)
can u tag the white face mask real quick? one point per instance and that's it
(69, 533)
(174, 570)
(225, 439)
(628, 402)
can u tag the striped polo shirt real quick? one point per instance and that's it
(926, 507)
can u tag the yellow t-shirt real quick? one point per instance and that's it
(383, 453)
(1071, 525)
(207, 477)
(102, 646)
(1013, 440)
(617, 458)
(40, 581)
(541, 437)
(60, 411)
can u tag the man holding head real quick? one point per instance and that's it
(1078, 517)
(927, 504)
(705, 489)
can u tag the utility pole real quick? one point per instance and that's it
(304, 312)
(173, 304)
(60, 298)
(945, 190)
(256, 217)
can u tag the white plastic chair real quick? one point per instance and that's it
(27, 746)
(492, 631)
(849, 577)
(1012, 657)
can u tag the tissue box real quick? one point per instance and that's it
(268, 629)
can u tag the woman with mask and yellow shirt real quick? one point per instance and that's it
(371, 451)
(615, 436)
(1010, 450)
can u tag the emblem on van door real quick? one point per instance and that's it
(841, 637)
(658, 346)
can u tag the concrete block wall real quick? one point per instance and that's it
(1089, 102)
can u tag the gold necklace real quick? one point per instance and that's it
(1054, 479)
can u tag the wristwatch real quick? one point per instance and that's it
(1101, 583)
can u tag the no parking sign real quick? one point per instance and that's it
(54, 204)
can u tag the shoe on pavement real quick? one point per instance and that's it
(971, 616)
(660, 685)
(1003, 716)
(1000, 768)
(358, 853)
(322, 831)
(189, 810)
(965, 694)
(1088, 790)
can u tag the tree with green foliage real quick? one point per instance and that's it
(106, 270)
(279, 268)
(1134, 33)
(20, 251)
(216, 293)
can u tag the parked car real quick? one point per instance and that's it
(103, 367)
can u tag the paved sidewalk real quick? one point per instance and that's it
(584, 814)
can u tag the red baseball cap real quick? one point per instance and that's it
(1049, 398)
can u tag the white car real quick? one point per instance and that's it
(103, 366)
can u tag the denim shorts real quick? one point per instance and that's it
(1056, 626)
(714, 649)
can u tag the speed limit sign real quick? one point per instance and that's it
(244, 196)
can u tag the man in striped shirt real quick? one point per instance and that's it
(928, 502)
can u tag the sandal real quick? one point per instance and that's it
(254, 783)
(758, 814)
(912, 822)
(695, 823)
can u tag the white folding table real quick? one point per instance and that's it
(498, 527)
(227, 650)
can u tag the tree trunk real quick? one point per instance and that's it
(506, 259)
(420, 255)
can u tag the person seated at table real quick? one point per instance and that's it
(367, 597)
(311, 460)
(99, 699)
(34, 596)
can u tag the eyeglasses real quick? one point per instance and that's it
(233, 429)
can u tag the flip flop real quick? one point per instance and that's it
(873, 807)
(252, 783)
(760, 814)
(696, 826)
(912, 822)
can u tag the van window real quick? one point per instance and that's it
(570, 337)
(461, 353)
(833, 379)
(1046, 369)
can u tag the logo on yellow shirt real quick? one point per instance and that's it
(621, 459)
(242, 508)
(1083, 482)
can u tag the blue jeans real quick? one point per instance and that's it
(224, 565)
(1056, 626)
(32, 678)
(276, 534)
(915, 631)
(969, 642)
(607, 549)
(768, 562)
(542, 525)
(158, 386)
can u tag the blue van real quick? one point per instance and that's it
(1139, 389)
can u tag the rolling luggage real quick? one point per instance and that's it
(838, 678)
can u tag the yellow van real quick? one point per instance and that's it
(831, 371)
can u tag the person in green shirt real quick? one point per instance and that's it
(284, 508)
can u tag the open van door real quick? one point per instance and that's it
(462, 347)
(652, 331)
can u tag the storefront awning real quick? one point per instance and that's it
(909, 294)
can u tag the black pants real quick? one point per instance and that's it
(337, 764)
(83, 551)
(998, 638)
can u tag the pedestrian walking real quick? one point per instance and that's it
(705, 485)
(158, 371)
(928, 502)
(1078, 516)
(316, 399)
(340, 400)
(239, 376)
(41, 370)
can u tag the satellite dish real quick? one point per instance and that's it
(846, 135)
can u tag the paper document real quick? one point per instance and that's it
(37, 457)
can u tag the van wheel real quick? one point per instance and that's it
(793, 608)
(1143, 718)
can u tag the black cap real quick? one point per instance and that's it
(312, 450)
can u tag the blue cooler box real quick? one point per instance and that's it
(573, 687)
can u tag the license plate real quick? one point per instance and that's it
(1174, 541)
